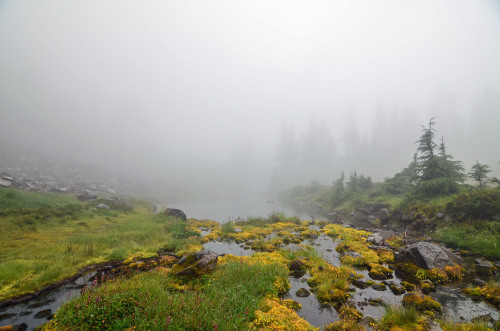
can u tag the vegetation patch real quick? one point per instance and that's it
(242, 293)
(480, 237)
(490, 292)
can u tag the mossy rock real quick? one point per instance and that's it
(397, 290)
(379, 272)
(196, 265)
(409, 287)
(421, 302)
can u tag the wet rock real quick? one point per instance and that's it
(426, 286)
(483, 267)
(175, 213)
(421, 302)
(46, 313)
(196, 265)
(380, 272)
(379, 287)
(397, 290)
(360, 284)
(102, 206)
(425, 255)
(302, 292)
(478, 282)
(379, 237)
(298, 268)
(376, 302)
(5, 316)
(409, 287)
(375, 238)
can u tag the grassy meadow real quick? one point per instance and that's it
(48, 237)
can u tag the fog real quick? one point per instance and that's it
(216, 95)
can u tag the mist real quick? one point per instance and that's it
(215, 96)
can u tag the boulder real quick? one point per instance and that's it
(425, 255)
(483, 267)
(102, 206)
(379, 237)
(196, 265)
(302, 293)
(379, 287)
(5, 183)
(46, 314)
(298, 268)
(177, 213)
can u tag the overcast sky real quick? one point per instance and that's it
(149, 84)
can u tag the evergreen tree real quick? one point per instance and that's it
(479, 173)
(436, 173)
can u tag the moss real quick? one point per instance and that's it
(379, 272)
(421, 302)
(291, 304)
(343, 325)
(426, 287)
(408, 286)
(490, 292)
(349, 313)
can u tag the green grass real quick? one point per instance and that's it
(46, 238)
(10, 198)
(481, 237)
(225, 300)
(401, 317)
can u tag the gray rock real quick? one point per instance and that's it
(375, 238)
(5, 183)
(197, 264)
(378, 237)
(425, 255)
(175, 213)
(379, 287)
(483, 267)
(302, 293)
(102, 206)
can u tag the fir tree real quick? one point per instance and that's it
(436, 173)
(479, 173)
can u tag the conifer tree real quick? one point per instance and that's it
(479, 173)
(436, 173)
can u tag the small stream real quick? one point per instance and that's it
(39, 310)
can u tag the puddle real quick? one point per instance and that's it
(228, 247)
(312, 311)
(459, 307)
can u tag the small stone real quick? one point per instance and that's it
(46, 313)
(379, 287)
(302, 293)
